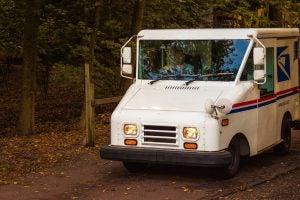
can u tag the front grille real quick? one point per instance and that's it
(160, 135)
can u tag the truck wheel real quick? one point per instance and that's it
(135, 166)
(233, 168)
(284, 147)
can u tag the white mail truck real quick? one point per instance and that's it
(206, 97)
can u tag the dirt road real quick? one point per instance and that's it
(266, 176)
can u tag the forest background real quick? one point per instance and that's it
(45, 43)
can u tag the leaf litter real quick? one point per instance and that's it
(22, 155)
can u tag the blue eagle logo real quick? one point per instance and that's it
(283, 64)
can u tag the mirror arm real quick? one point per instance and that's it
(122, 48)
(265, 60)
(127, 43)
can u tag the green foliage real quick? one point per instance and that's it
(178, 14)
(63, 38)
(63, 74)
(259, 13)
(11, 20)
(66, 26)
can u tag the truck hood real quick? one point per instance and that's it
(173, 98)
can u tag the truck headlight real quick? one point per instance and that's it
(190, 132)
(130, 129)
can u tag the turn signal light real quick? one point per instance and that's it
(190, 145)
(132, 142)
(225, 122)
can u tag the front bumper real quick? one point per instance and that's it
(166, 156)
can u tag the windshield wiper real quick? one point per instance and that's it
(162, 78)
(198, 77)
(168, 76)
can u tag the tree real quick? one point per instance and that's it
(256, 13)
(136, 26)
(283, 13)
(138, 15)
(11, 21)
(178, 14)
(90, 139)
(26, 123)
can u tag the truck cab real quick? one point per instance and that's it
(206, 97)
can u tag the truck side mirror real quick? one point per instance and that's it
(259, 75)
(126, 65)
(259, 57)
(126, 55)
(127, 69)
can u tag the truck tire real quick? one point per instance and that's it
(232, 169)
(284, 147)
(135, 167)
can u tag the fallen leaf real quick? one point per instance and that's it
(185, 189)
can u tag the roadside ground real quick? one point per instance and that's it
(81, 174)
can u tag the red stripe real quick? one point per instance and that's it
(289, 90)
(265, 98)
(244, 103)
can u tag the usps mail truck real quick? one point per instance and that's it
(206, 97)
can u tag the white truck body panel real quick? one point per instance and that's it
(257, 113)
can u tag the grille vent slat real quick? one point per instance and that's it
(160, 140)
(160, 135)
(162, 128)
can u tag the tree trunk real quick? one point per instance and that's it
(91, 61)
(136, 26)
(275, 16)
(26, 123)
(94, 35)
(138, 16)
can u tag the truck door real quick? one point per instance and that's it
(267, 106)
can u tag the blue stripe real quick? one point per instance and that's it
(262, 104)
(266, 103)
(243, 109)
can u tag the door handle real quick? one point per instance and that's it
(270, 76)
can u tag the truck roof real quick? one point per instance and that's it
(220, 33)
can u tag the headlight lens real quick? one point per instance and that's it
(130, 129)
(190, 133)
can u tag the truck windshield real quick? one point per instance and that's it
(203, 60)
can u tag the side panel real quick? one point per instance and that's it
(259, 116)
(242, 119)
(287, 80)
(267, 112)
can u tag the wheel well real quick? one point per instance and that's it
(288, 115)
(244, 144)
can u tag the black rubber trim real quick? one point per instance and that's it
(166, 156)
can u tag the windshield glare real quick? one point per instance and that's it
(209, 60)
